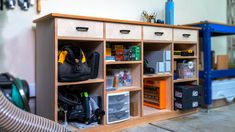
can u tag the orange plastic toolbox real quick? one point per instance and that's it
(155, 93)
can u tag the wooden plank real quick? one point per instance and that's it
(58, 15)
(157, 75)
(45, 69)
(97, 80)
(185, 80)
(123, 62)
(185, 57)
(124, 89)
(139, 121)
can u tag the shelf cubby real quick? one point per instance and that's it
(147, 110)
(88, 47)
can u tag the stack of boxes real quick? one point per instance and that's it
(186, 97)
(120, 53)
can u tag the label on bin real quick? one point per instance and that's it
(195, 104)
(178, 105)
(195, 93)
(178, 94)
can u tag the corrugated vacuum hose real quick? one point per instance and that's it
(13, 119)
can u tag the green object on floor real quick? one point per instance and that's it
(16, 97)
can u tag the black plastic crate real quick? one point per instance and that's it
(186, 104)
(186, 92)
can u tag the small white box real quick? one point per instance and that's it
(167, 55)
(160, 67)
(168, 66)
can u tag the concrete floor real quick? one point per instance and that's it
(216, 120)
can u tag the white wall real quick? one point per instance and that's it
(17, 38)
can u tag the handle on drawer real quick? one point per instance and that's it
(159, 33)
(125, 31)
(83, 29)
(186, 35)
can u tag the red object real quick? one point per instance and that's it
(119, 58)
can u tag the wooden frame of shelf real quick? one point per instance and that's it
(47, 44)
(160, 75)
(97, 80)
(185, 57)
(122, 62)
(185, 80)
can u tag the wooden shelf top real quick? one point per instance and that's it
(185, 80)
(157, 75)
(185, 57)
(123, 62)
(58, 15)
(81, 82)
(124, 89)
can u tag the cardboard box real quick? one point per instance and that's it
(222, 62)
(108, 52)
(134, 109)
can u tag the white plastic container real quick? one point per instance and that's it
(109, 82)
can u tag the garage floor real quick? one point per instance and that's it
(216, 120)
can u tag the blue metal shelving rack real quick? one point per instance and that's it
(211, 29)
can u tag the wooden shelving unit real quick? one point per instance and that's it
(55, 30)
(123, 89)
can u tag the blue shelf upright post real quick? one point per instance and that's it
(206, 32)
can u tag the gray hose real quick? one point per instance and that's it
(13, 119)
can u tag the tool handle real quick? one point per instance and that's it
(38, 6)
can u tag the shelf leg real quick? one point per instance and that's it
(207, 65)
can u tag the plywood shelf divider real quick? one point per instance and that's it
(122, 62)
(123, 89)
(157, 75)
(81, 82)
(185, 57)
(185, 80)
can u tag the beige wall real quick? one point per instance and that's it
(17, 38)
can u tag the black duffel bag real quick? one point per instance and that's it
(72, 64)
